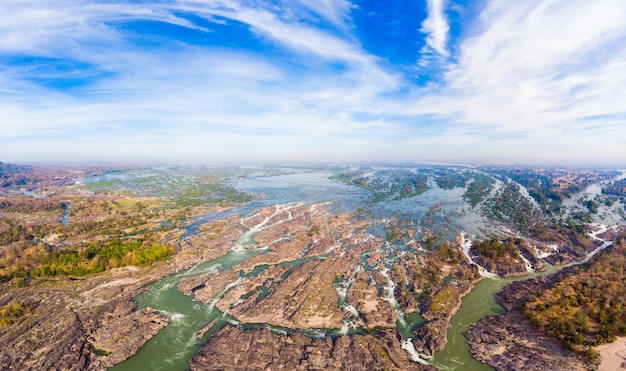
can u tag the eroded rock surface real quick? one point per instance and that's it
(233, 348)
(79, 324)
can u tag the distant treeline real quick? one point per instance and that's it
(30, 205)
(617, 187)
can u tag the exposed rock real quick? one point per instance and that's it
(440, 307)
(373, 311)
(530, 254)
(431, 337)
(189, 285)
(214, 284)
(122, 332)
(204, 330)
(236, 296)
(79, 324)
(501, 267)
(237, 349)
(509, 342)
(308, 299)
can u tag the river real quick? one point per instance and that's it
(175, 345)
(480, 303)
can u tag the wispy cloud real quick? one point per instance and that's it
(542, 69)
(436, 27)
(208, 77)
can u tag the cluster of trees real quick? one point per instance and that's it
(511, 207)
(387, 184)
(450, 179)
(9, 313)
(541, 183)
(493, 248)
(11, 232)
(478, 189)
(96, 257)
(617, 187)
(17, 176)
(109, 226)
(569, 235)
(30, 205)
(588, 307)
(448, 254)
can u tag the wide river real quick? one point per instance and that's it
(175, 345)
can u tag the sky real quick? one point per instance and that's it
(214, 81)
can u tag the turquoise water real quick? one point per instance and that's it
(174, 345)
(476, 305)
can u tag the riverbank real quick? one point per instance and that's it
(510, 342)
(86, 323)
(543, 328)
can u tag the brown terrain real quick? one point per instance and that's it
(237, 349)
(316, 269)
(510, 342)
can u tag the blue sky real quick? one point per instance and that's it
(313, 80)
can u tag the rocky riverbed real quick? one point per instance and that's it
(80, 324)
(260, 349)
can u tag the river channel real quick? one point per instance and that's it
(175, 345)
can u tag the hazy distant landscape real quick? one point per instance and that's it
(312, 185)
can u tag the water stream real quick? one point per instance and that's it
(480, 303)
(175, 345)
(66, 213)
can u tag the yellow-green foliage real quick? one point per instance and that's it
(493, 248)
(94, 258)
(443, 300)
(10, 312)
(587, 307)
(448, 254)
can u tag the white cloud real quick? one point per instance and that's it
(540, 69)
(334, 11)
(436, 27)
(527, 75)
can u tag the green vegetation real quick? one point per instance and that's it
(588, 307)
(386, 184)
(11, 231)
(511, 207)
(394, 236)
(182, 187)
(616, 187)
(9, 313)
(448, 254)
(31, 205)
(492, 248)
(478, 188)
(450, 179)
(443, 300)
(313, 231)
(592, 206)
(41, 261)
(540, 186)
(550, 186)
